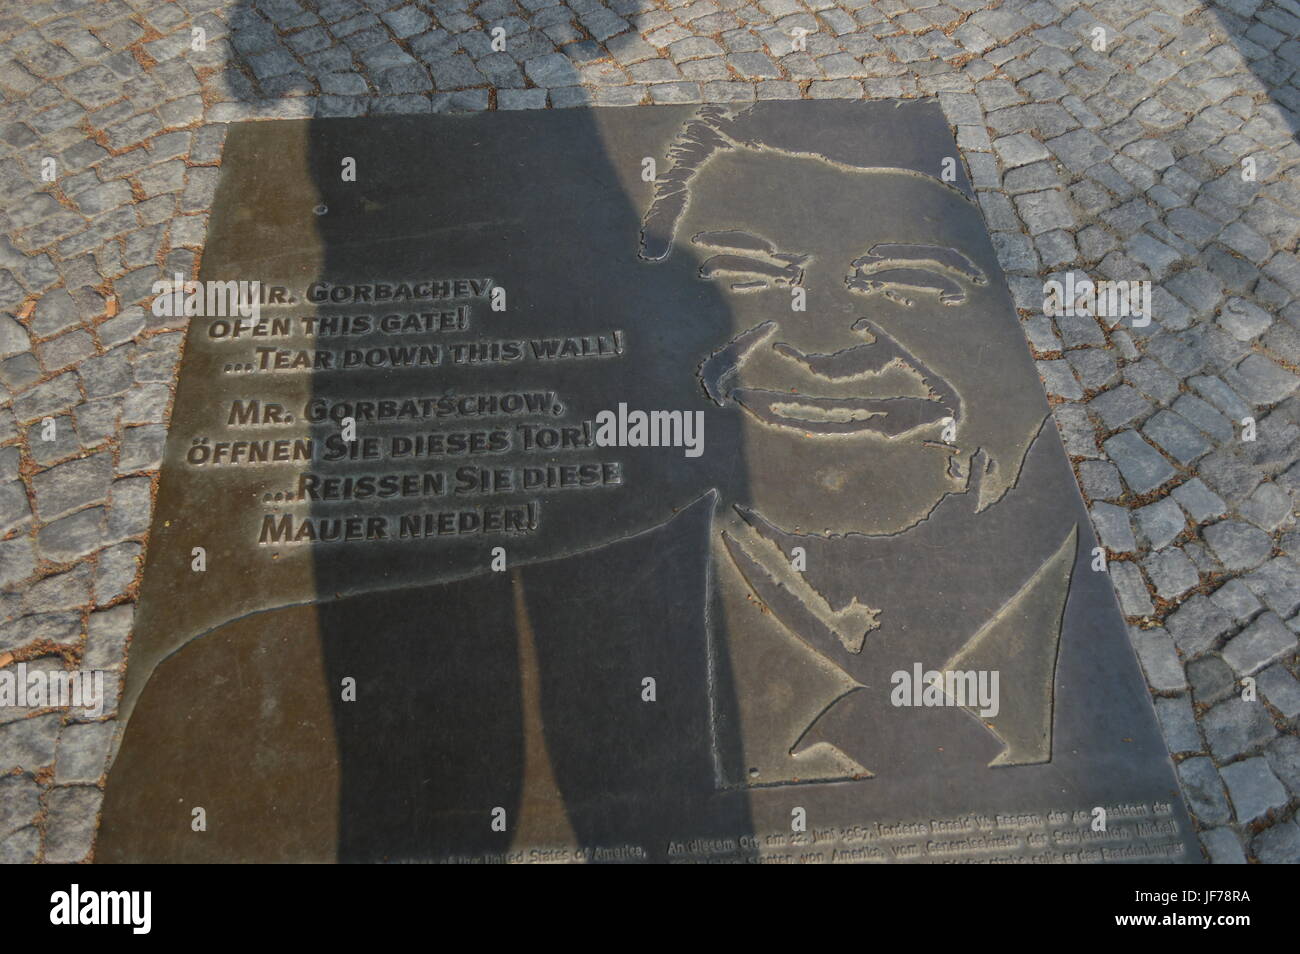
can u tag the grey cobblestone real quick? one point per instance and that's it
(106, 635)
(29, 743)
(1197, 624)
(1100, 479)
(1178, 722)
(1236, 599)
(1237, 544)
(1265, 641)
(1223, 847)
(1204, 791)
(1171, 572)
(1120, 406)
(1130, 589)
(1281, 690)
(1059, 379)
(1253, 788)
(19, 803)
(83, 752)
(1277, 584)
(1155, 650)
(1283, 756)
(68, 538)
(1114, 528)
(72, 816)
(1160, 522)
(1176, 437)
(1211, 679)
(57, 628)
(1142, 466)
(1269, 507)
(1234, 727)
(1204, 417)
(1279, 845)
(72, 485)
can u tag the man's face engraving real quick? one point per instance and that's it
(847, 368)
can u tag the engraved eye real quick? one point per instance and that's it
(748, 261)
(750, 274)
(898, 271)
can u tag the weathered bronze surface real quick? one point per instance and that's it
(476, 629)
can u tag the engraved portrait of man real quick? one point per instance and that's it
(877, 449)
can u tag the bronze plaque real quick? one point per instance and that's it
(665, 484)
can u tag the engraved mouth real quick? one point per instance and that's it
(813, 414)
(890, 417)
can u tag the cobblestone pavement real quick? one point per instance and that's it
(1124, 162)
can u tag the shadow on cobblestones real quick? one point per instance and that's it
(1265, 34)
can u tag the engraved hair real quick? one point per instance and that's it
(715, 129)
(699, 140)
